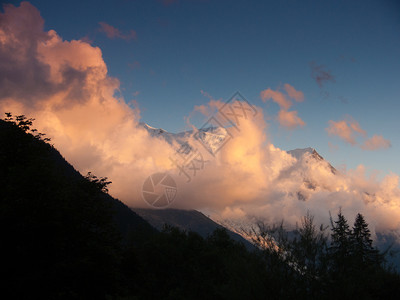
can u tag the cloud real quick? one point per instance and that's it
(287, 119)
(349, 130)
(207, 95)
(112, 32)
(277, 97)
(66, 87)
(17, 54)
(296, 95)
(206, 110)
(376, 142)
(356, 127)
(320, 74)
(343, 130)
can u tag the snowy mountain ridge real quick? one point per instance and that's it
(212, 138)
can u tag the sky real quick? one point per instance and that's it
(323, 76)
(167, 52)
(169, 55)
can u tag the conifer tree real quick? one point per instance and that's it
(340, 248)
(363, 251)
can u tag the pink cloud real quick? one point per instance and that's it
(203, 109)
(348, 130)
(205, 94)
(286, 118)
(213, 105)
(375, 143)
(66, 87)
(357, 128)
(112, 32)
(277, 97)
(289, 119)
(296, 95)
(342, 130)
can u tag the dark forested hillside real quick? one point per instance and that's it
(60, 232)
(187, 220)
(64, 237)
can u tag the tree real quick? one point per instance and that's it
(310, 247)
(364, 254)
(340, 248)
(100, 183)
(22, 122)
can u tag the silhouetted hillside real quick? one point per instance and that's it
(60, 232)
(186, 220)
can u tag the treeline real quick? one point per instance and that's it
(63, 237)
(327, 262)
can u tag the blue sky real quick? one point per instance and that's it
(186, 46)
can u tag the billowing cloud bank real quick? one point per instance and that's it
(65, 86)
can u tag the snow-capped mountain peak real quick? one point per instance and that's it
(152, 129)
(299, 152)
(213, 137)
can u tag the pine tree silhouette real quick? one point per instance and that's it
(364, 254)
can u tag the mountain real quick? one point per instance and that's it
(22, 157)
(309, 153)
(187, 220)
(64, 237)
(306, 170)
(61, 233)
(211, 138)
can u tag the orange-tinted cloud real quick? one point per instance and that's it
(376, 142)
(296, 95)
(112, 32)
(357, 128)
(206, 110)
(343, 130)
(349, 130)
(277, 97)
(66, 87)
(287, 119)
